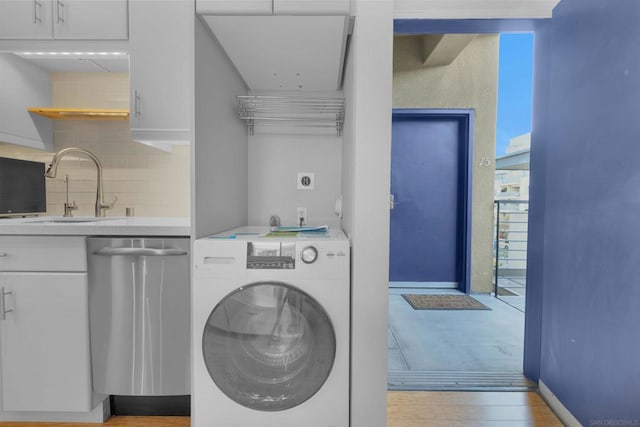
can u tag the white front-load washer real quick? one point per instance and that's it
(271, 329)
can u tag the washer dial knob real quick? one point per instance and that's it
(309, 255)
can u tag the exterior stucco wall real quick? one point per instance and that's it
(470, 81)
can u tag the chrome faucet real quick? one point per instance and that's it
(53, 168)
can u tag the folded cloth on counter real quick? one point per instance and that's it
(296, 229)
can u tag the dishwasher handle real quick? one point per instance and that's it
(114, 251)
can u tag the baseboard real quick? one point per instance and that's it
(554, 403)
(151, 405)
(424, 285)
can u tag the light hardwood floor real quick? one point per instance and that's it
(477, 409)
(408, 409)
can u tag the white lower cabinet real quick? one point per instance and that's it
(44, 342)
(45, 363)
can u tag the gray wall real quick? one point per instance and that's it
(219, 149)
(469, 82)
(366, 162)
(274, 162)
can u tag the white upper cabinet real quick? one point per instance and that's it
(234, 7)
(90, 19)
(311, 7)
(64, 19)
(20, 19)
(161, 71)
(273, 7)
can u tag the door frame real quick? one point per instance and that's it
(535, 268)
(465, 119)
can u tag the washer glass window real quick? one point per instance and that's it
(269, 346)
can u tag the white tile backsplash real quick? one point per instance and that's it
(153, 182)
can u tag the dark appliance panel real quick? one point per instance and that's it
(22, 187)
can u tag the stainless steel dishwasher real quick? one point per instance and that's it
(139, 310)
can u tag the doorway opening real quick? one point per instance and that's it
(455, 346)
(513, 147)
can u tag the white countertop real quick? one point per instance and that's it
(88, 226)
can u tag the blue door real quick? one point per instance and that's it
(430, 188)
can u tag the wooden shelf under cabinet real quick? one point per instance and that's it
(80, 113)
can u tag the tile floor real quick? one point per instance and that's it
(458, 341)
(516, 286)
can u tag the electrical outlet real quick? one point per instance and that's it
(306, 180)
(301, 216)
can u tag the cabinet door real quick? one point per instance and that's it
(44, 342)
(311, 7)
(234, 7)
(90, 19)
(161, 70)
(24, 85)
(25, 19)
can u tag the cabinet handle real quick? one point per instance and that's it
(3, 309)
(136, 104)
(3, 254)
(37, 7)
(111, 251)
(60, 18)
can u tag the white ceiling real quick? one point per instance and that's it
(284, 52)
(79, 63)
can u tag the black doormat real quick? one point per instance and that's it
(444, 302)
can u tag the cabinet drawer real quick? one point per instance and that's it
(42, 253)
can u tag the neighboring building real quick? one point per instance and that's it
(512, 184)
(512, 170)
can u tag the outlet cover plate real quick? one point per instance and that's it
(306, 180)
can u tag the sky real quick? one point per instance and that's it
(514, 88)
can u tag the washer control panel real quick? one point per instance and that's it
(271, 255)
(282, 255)
(332, 254)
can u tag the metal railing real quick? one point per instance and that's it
(511, 218)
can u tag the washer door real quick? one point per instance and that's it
(269, 346)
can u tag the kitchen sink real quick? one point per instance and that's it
(70, 220)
